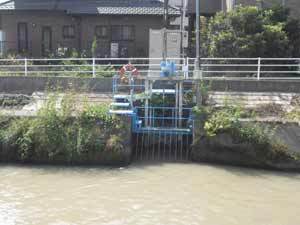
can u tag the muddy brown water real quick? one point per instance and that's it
(166, 193)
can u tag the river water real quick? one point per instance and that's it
(148, 194)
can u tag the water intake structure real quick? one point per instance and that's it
(161, 121)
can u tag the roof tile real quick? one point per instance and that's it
(102, 7)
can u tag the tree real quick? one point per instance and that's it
(252, 32)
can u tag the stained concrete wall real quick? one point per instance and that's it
(289, 134)
(224, 149)
(284, 86)
(28, 85)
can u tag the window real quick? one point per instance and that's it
(22, 37)
(101, 31)
(46, 40)
(116, 33)
(69, 31)
(123, 33)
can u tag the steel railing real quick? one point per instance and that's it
(91, 67)
(211, 68)
(248, 68)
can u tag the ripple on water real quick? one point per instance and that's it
(163, 193)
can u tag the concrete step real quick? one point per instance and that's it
(274, 99)
(253, 102)
(121, 112)
(120, 97)
(251, 96)
(253, 99)
(120, 104)
(252, 93)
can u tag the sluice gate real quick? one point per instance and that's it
(161, 118)
(161, 146)
(160, 134)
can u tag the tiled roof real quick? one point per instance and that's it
(105, 7)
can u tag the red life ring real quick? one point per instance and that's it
(129, 67)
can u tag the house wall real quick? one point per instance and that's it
(207, 7)
(139, 47)
(84, 29)
(35, 21)
(255, 2)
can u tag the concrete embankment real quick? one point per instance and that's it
(224, 148)
(28, 85)
(55, 137)
(96, 145)
(280, 86)
(289, 134)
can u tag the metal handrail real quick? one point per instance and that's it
(211, 68)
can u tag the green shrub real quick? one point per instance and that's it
(252, 32)
(225, 119)
(294, 115)
(16, 134)
(62, 133)
(98, 114)
(260, 138)
(74, 68)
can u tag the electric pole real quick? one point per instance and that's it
(197, 35)
(197, 62)
(166, 4)
(182, 12)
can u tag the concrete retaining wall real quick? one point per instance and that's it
(287, 101)
(28, 85)
(223, 148)
(289, 134)
(283, 86)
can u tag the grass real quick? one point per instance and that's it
(64, 134)
(227, 120)
(294, 115)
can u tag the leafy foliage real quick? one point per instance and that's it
(62, 133)
(294, 115)
(75, 68)
(228, 120)
(252, 32)
(223, 120)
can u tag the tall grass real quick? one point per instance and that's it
(63, 133)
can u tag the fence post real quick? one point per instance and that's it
(187, 67)
(25, 66)
(94, 69)
(258, 68)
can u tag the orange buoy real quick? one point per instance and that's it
(127, 68)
